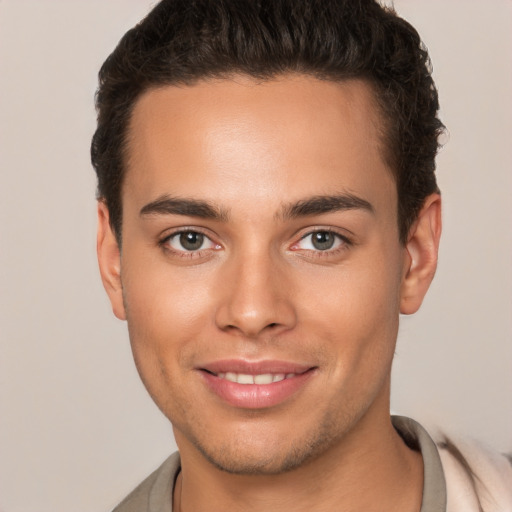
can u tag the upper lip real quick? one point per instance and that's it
(254, 367)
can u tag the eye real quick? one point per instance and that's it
(189, 241)
(321, 240)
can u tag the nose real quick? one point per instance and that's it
(256, 298)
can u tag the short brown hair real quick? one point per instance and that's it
(183, 41)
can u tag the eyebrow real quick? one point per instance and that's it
(318, 205)
(167, 205)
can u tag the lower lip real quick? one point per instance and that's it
(256, 396)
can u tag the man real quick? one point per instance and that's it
(267, 208)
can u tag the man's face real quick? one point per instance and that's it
(260, 245)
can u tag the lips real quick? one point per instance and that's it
(249, 385)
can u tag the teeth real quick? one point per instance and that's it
(245, 379)
(264, 378)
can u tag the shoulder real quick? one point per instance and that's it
(154, 494)
(476, 477)
(461, 475)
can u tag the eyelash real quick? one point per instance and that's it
(164, 243)
(344, 244)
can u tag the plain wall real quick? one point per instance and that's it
(77, 428)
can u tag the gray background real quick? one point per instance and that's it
(77, 429)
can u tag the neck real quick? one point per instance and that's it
(371, 469)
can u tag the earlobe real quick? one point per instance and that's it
(109, 259)
(422, 249)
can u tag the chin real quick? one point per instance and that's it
(264, 456)
(238, 463)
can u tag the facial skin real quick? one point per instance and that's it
(241, 160)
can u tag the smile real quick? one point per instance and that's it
(260, 385)
(263, 378)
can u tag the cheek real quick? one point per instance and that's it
(164, 300)
(356, 308)
(357, 295)
(166, 312)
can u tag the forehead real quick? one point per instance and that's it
(240, 139)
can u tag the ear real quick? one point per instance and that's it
(109, 259)
(422, 248)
